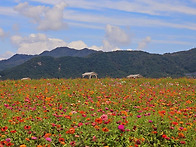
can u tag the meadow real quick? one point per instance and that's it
(98, 112)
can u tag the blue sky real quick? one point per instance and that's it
(155, 26)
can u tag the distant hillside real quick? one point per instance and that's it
(107, 64)
(58, 52)
(14, 61)
(185, 59)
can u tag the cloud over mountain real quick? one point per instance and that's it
(144, 43)
(115, 37)
(36, 43)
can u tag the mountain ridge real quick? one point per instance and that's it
(115, 64)
(18, 59)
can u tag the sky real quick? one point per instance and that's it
(154, 26)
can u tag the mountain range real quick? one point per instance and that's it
(18, 59)
(64, 62)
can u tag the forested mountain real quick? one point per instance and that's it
(15, 60)
(58, 52)
(115, 64)
(65, 51)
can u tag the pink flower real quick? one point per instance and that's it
(121, 127)
(72, 143)
(84, 115)
(33, 137)
(94, 138)
(8, 139)
(80, 124)
(138, 116)
(104, 117)
(48, 139)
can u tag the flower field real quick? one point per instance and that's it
(98, 112)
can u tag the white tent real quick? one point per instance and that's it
(135, 76)
(89, 74)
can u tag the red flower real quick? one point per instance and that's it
(174, 123)
(182, 142)
(27, 127)
(138, 142)
(9, 144)
(61, 139)
(13, 131)
(3, 142)
(4, 128)
(165, 137)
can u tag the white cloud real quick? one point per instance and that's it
(7, 11)
(144, 43)
(115, 37)
(36, 43)
(94, 47)
(77, 45)
(159, 7)
(2, 33)
(151, 7)
(124, 21)
(47, 18)
(107, 46)
(6, 55)
(53, 19)
(33, 12)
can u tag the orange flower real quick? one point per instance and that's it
(63, 143)
(124, 112)
(71, 131)
(47, 135)
(98, 120)
(181, 135)
(88, 119)
(23, 145)
(96, 127)
(67, 116)
(39, 146)
(105, 129)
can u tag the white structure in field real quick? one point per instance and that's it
(89, 74)
(135, 76)
(26, 78)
